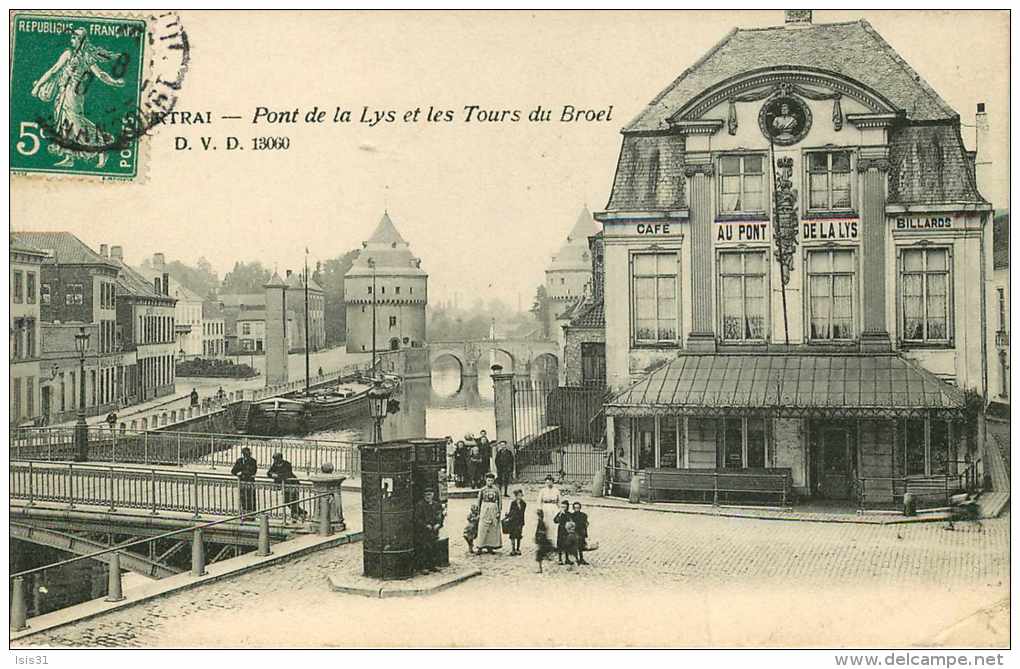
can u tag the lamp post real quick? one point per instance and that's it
(378, 399)
(81, 428)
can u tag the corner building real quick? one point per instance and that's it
(795, 252)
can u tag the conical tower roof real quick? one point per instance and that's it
(574, 254)
(389, 251)
(386, 232)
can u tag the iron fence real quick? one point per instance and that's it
(929, 492)
(152, 490)
(180, 448)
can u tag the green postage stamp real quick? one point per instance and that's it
(76, 88)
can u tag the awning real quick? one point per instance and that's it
(845, 386)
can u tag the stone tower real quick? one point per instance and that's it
(276, 331)
(387, 274)
(569, 273)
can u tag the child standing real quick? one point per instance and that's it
(561, 520)
(543, 546)
(471, 529)
(515, 521)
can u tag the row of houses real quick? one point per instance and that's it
(796, 270)
(244, 317)
(59, 287)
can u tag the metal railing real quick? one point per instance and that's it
(150, 490)
(181, 448)
(19, 617)
(710, 485)
(351, 370)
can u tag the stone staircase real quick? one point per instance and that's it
(997, 466)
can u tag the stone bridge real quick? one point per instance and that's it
(520, 356)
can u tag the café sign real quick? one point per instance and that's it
(830, 229)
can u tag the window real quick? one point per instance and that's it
(926, 446)
(30, 351)
(393, 321)
(397, 289)
(370, 290)
(16, 400)
(655, 311)
(742, 295)
(644, 438)
(30, 396)
(829, 180)
(1001, 295)
(593, 363)
(742, 443)
(245, 328)
(75, 294)
(830, 279)
(741, 184)
(19, 288)
(16, 340)
(30, 287)
(44, 293)
(924, 290)
(669, 441)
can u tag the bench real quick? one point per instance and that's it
(715, 485)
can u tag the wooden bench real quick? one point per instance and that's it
(715, 485)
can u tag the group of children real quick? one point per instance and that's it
(571, 531)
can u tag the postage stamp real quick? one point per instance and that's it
(76, 94)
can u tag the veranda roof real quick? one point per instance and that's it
(848, 386)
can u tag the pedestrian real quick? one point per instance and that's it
(514, 521)
(471, 529)
(561, 519)
(476, 470)
(221, 395)
(451, 453)
(111, 420)
(568, 545)
(486, 447)
(504, 467)
(245, 468)
(428, 518)
(549, 503)
(543, 547)
(194, 397)
(282, 473)
(489, 514)
(460, 464)
(321, 373)
(580, 520)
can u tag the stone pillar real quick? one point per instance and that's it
(701, 336)
(328, 513)
(503, 389)
(874, 331)
(276, 332)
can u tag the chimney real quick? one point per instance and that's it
(158, 260)
(288, 274)
(104, 250)
(117, 252)
(982, 150)
(166, 282)
(797, 17)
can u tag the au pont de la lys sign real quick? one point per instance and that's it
(830, 229)
(741, 232)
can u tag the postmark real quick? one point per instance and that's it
(86, 89)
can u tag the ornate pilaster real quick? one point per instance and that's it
(701, 337)
(875, 331)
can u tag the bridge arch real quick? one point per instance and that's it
(546, 366)
(443, 355)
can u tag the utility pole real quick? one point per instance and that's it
(308, 374)
(371, 263)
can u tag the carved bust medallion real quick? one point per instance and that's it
(784, 119)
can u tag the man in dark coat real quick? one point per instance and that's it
(428, 518)
(194, 397)
(282, 473)
(580, 519)
(504, 467)
(486, 448)
(245, 469)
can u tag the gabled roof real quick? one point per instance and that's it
(296, 280)
(853, 50)
(65, 248)
(590, 316)
(132, 284)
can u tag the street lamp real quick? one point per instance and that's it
(378, 402)
(81, 428)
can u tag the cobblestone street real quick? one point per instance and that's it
(658, 579)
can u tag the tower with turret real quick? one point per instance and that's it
(387, 280)
(569, 274)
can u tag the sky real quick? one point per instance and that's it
(484, 205)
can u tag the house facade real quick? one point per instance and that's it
(795, 255)
(24, 347)
(316, 306)
(188, 319)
